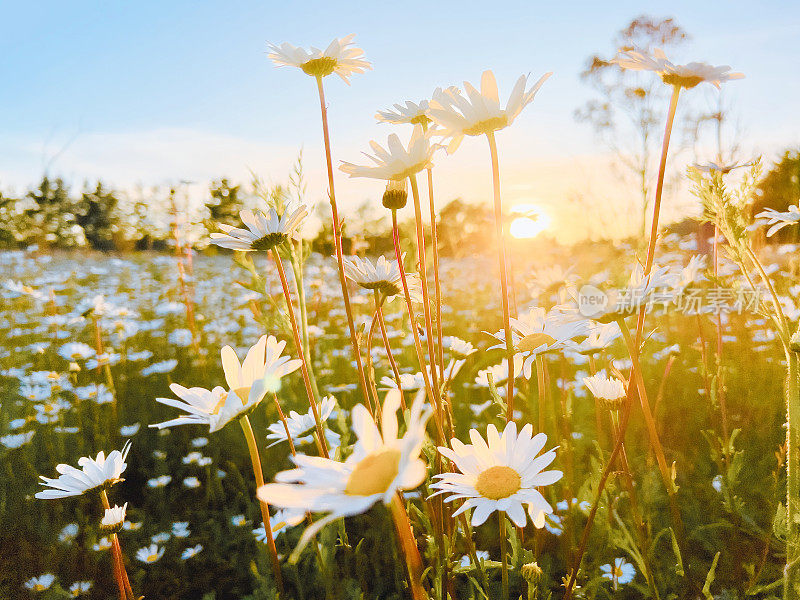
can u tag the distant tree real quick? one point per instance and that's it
(224, 205)
(780, 188)
(627, 113)
(9, 220)
(464, 228)
(97, 212)
(49, 216)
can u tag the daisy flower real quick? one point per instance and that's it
(80, 588)
(382, 463)
(600, 337)
(608, 389)
(248, 382)
(383, 276)
(501, 473)
(95, 473)
(340, 57)
(459, 347)
(395, 162)
(150, 554)
(113, 518)
(40, 583)
(499, 373)
(723, 168)
(75, 351)
(540, 331)
(264, 230)
(778, 220)
(413, 113)
(686, 76)
(479, 112)
(621, 572)
(190, 552)
(301, 427)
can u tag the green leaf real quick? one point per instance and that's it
(710, 578)
(677, 551)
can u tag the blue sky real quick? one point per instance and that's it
(152, 92)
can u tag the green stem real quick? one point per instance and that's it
(501, 249)
(412, 322)
(322, 445)
(501, 523)
(792, 570)
(255, 460)
(337, 238)
(423, 275)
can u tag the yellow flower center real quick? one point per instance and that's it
(684, 81)
(243, 393)
(319, 67)
(488, 125)
(498, 482)
(535, 340)
(373, 474)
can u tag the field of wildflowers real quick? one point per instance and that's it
(623, 422)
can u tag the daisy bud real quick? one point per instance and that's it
(794, 344)
(396, 194)
(532, 573)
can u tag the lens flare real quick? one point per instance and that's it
(531, 222)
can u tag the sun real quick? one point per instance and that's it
(531, 222)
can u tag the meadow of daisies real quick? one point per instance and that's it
(621, 421)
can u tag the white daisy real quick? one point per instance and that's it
(479, 112)
(499, 373)
(686, 76)
(264, 230)
(396, 162)
(501, 475)
(301, 427)
(413, 113)
(340, 57)
(113, 518)
(723, 168)
(95, 473)
(599, 337)
(539, 331)
(604, 387)
(40, 583)
(248, 382)
(459, 347)
(150, 554)
(383, 276)
(382, 463)
(778, 220)
(190, 552)
(80, 588)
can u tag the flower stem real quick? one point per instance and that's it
(655, 441)
(501, 249)
(423, 274)
(651, 248)
(409, 547)
(501, 523)
(389, 354)
(437, 283)
(322, 445)
(337, 238)
(255, 460)
(417, 345)
(121, 575)
(792, 571)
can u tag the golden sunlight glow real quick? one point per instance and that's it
(531, 222)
